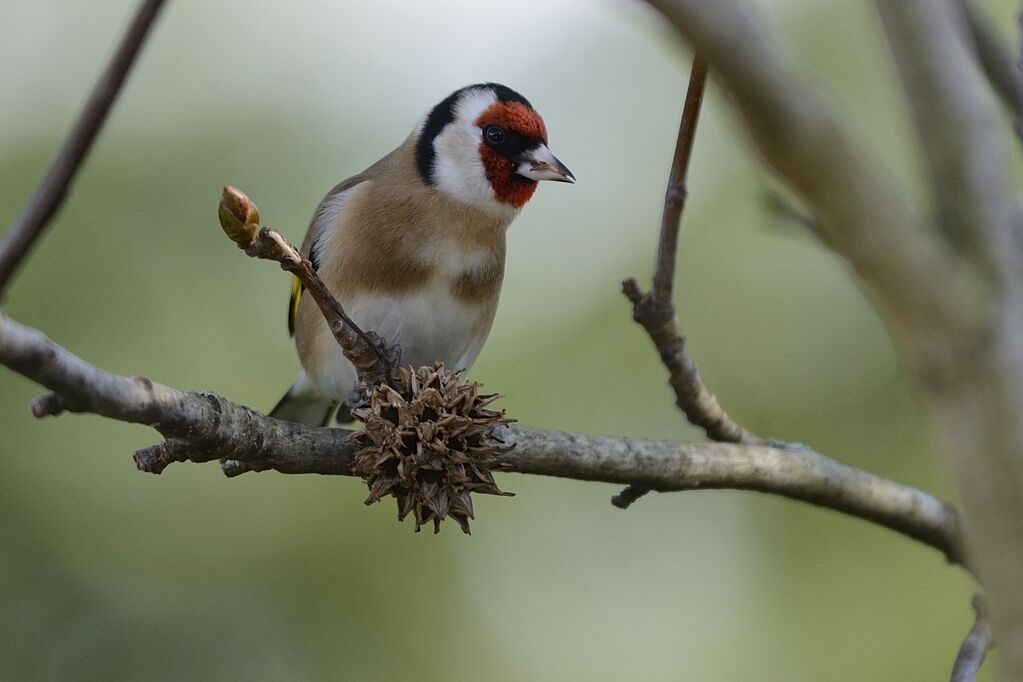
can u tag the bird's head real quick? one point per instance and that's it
(486, 146)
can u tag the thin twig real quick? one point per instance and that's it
(53, 189)
(239, 218)
(699, 405)
(974, 648)
(675, 193)
(655, 310)
(202, 427)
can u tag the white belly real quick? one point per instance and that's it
(430, 326)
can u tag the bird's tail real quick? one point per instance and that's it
(304, 404)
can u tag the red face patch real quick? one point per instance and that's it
(509, 187)
(516, 117)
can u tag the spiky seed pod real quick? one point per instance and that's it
(429, 443)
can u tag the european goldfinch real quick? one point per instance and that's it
(413, 247)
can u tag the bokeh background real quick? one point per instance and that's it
(106, 573)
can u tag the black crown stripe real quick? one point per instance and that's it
(443, 114)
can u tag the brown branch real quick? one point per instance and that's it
(239, 219)
(53, 189)
(699, 405)
(676, 192)
(974, 648)
(202, 427)
(655, 310)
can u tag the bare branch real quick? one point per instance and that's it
(676, 192)
(655, 310)
(202, 427)
(53, 188)
(957, 127)
(699, 405)
(367, 352)
(794, 472)
(914, 274)
(1019, 75)
(974, 648)
(918, 277)
(995, 57)
(979, 404)
(957, 315)
(209, 425)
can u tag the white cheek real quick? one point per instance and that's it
(458, 168)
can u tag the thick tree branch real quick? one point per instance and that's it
(914, 275)
(995, 58)
(979, 411)
(203, 427)
(958, 312)
(53, 189)
(957, 126)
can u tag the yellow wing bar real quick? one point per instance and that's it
(296, 296)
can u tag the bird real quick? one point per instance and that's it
(413, 247)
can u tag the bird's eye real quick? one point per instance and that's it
(494, 134)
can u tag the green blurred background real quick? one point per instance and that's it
(106, 573)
